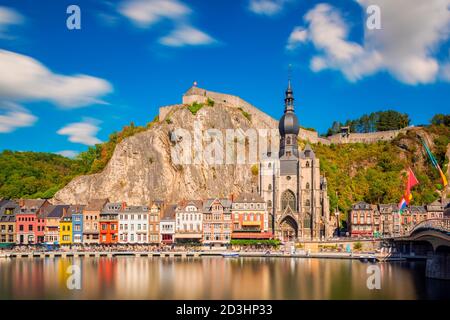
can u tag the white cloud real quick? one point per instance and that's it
(145, 13)
(9, 17)
(267, 7)
(13, 116)
(297, 36)
(67, 153)
(186, 35)
(24, 78)
(412, 31)
(82, 132)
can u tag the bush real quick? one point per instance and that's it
(195, 107)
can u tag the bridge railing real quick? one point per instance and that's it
(442, 225)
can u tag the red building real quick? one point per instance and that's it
(109, 223)
(30, 224)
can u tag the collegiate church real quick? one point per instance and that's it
(292, 186)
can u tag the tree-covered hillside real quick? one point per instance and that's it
(35, 174)
(376, 172)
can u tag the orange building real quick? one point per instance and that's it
(250, 217)
(109, 223)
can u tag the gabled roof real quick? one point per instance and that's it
(226, 203)
(184, 203)
(247, 197)
(76, 209)
(8, 204)
(55, 211)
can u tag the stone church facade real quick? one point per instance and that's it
(291, 185)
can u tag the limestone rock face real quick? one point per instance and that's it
(142, 169)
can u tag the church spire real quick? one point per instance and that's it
(289, 98)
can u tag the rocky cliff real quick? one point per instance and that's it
(142, 169)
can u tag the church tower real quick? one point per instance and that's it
(291, 184)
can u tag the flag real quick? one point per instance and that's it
(435, 163)
(407, 197)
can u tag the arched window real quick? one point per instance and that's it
(307, 164)
(269, 165)
(288, 199)
(269, 204)
(288, 140)
(307, 203)
(269, 187)
(307, 185)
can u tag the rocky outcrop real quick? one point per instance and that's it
(142, 169)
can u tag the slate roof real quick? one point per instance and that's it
(6, 204)
(55, 211)
(247, 197)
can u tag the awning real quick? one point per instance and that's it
(251, 235)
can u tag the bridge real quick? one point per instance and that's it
(429, 238)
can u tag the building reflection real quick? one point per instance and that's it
(212, 278)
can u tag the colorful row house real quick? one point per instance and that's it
(154, 219)
(217, 223)
(76, 212)
(8, 211)
(52, 216)
(66, 228)
(168, 224)
(91, 220)
(250, 218)
(30, 221)
(133, 224)
(109, 222)
(188, 221)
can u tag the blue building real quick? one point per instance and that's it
(77, 223)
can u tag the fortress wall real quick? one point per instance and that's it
(311, 136)
(370, 137)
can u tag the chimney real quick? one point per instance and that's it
(21, 202)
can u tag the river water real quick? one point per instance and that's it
(213, 278)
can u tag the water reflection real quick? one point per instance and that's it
(213, 278)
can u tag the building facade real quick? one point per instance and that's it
(30, 222)
(188, 221)
(66, 229)
(167, 225)
(133, 224)
(250, 217)
(291, 185)
(154, 218)
(8, 211)
(109, 222)
(52, 216)
(364, 220)
(77, 223)
(91, 220)
(217, 223)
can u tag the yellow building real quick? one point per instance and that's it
(65, 229)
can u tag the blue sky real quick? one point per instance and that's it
(62, 90)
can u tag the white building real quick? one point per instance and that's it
(133, 224)
(167, 224)
(188, 221)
